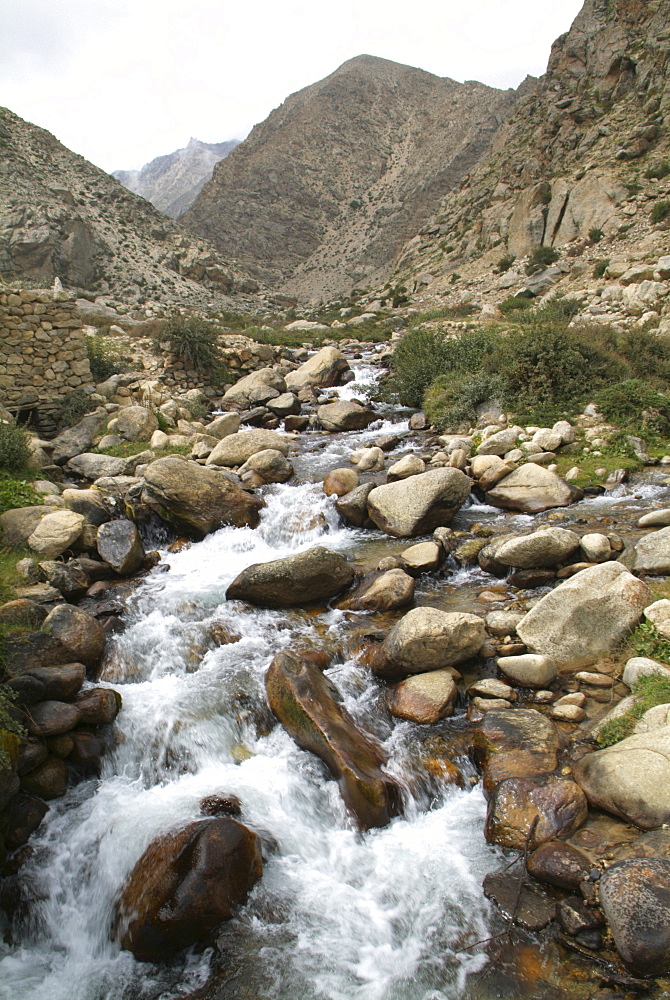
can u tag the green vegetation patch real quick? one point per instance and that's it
(193, 340)
(649, 692)
(660, 211)
(105, 358)
(14, 451)
(16, 493)
(72, 407)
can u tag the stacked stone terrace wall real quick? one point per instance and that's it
(42, 348)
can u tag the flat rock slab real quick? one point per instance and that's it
(314, 575)
(236, 449)
(424, 698)
(531, 811)
(531, 908)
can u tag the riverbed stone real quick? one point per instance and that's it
(78, 632)
(19, 523)
(596, 547)
(491, 687)
(136, 423)
(224, 425)
(51, 718)
(339, 482)
(655, 519)
(185, 884)
(55, 533)
(515, 743)
(560, 625)
(92, 466)
(97, 706)
(120, 546)
(353, 506)
(650, 555)
(658, 614)
(419, 504)
(643, 666)
(315, 575)
(424, 698)
(385, 591)
(523, 811)
(532, 489)
(48, 781)
(344, 416)
(630, 779)
(529, 669)
(88, 503)
(59, 683)
(427, 639)
(410, 465)
(197, 500)
(539, 549)
(559, 864)
(422, 558)
(301, 698)
(323, 369)
(236, 449)
(500, 442)
(270, 465)
(635, 897)
(77, 439)
(502, 623)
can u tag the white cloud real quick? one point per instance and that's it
(122, 81)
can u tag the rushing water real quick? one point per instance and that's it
(388, 915)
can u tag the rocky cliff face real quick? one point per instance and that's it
(61, 216)
(173, 182)
(572, 157)
(322, 194)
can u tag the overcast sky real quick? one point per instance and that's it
(122, 81)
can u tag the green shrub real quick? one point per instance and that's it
(541, 258)
(636, 406)
(192, 340)
(453, 399)
(14, 451)
(658, 172)
(10, 730)
(647, 356)
(649, 692)
(600, 267)
(355, 203)
(72, 407)
(16, 493)
(104, 358)
(648, 641)
(505, 262)
(515, 303)
(660, 211)
(595, 234)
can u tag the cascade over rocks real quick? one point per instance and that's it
(420, 503)
(300, 697)
(314, 575)
(197, 500)
(185, 885)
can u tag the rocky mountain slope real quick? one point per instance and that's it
(62, 216)
(572, 167)
(322, 194)
(173, 182)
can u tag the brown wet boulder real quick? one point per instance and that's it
(353, 506)
(380, 592)
(301, 698)
(339, 482)
(197, 500)
(515, 743)
(24, 815)
(314, 575)
(185, 885)
(79, 633)
(533, 810)
(635, 897)
(48, 683)
(424, 698)
(51, 718)
(98, 706)
(48, 781)
(560, 864)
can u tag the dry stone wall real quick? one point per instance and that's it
(42, 348)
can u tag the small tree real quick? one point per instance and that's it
(193, 340)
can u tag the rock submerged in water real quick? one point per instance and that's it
(315, 575)
(301, 698)
(197, 500)
(419, 504)
(185, 885)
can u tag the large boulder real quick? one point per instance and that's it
(340, 482)
(323, 369)
(185, 885)
(136, 423)
(89, 504)
(245, 393)
(19, 523)
(534, 810)
(120, 546)
(424, 698)
(300, 697)
(195, 499)
(353, 506)
(55, 533)
(650, 555)
(427, 639)
(630, 779)
(92, 466)
(538, 549)
(81, 636)
(635, 898)
(222, 426)
(380, 592)
(515, 743)
(344, 416)
(236, 449)
(419, 504)
(269, 466)
(52, 718)
(501, 442)
(76, 439)
(314, 575)
(532, 489)
(589, 614)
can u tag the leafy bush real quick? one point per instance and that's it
(453, 399)
(660, 211)
(72, 407)
(16, 493)
(595, 234)
(658, 171)
(192, 340)
(104, 358)
(600, 267)
(636, 406)
(648, 641)
(515, 303)
(505, 262)
(14, 451)
(649, 692)
(541, 258)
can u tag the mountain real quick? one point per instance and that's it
(62, 216)
(323, 193)
(173, 182)
(576, 157)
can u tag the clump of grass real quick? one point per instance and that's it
(104, 358)
(505, 263)
(648, 641)
(600, 267)
(658, 171)
(14, 451)
(635, 405)
(660, 212)
(649, 692)
(16, 493)
(193, 340)
(595, 234)
(540, 259)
